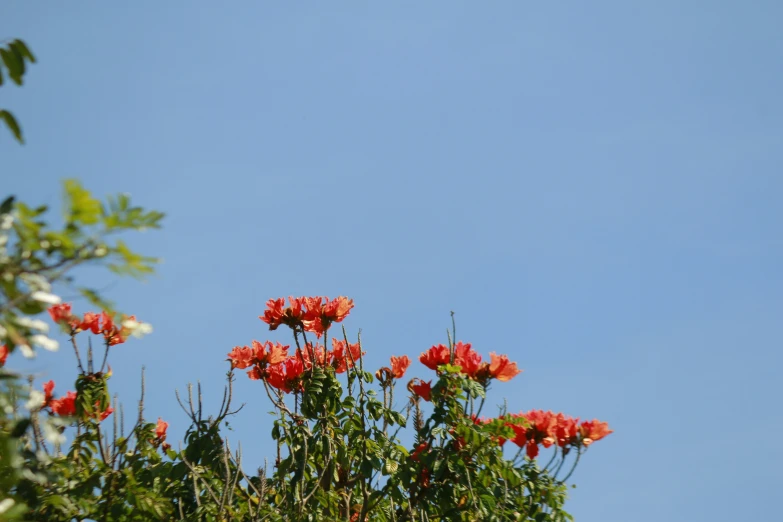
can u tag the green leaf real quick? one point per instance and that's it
(12, 125)
(24, 50)
(93, 297)
(7, 205)
(81, 207)
(20, 428)
(13, 64)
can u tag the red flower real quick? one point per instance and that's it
(48, 388)
(399, 365)
(593, 430)
(160, 434)
(160, 429)
(422, 389)
(340, 357)
(91, 322)
(64, 406)
(107, 321)
(269, 353)
(566, 430)
(61, 313)
(241, 357)
(435, 356)
(322, 312)
(544, 424)
(277, 313)
(501, 369)
(520, 434)
(416, 455)
(103, 414)
(273, 315)
(338, 309)
(424, 478)
(532, 449)
(467, 358)
(285, 376)
(3, 354)
(317, 352)
(113, 334)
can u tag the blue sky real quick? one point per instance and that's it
(594, 188)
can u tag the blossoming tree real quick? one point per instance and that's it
(340, 446)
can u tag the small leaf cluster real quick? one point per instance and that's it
(14, 57)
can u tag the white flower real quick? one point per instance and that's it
(136, 328)
(34, 324)
(27, 352)
(46, 297)
(3, 331)
(36, 281)
(52, 434)
(6, 504)
(45, 343)
(6, 221)
(35, 401)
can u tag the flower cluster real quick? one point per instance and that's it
(66, 406)
(545, 428)
(102, 323)
(271, 362)
(309, 314)
(470, 362)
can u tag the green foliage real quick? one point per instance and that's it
(14, 57)
(34, 258)
(339, 455)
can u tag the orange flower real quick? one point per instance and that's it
(285, 376)
(103, 414)
(160, 435)
(416, 455)
(435, 356)
(277, 313)
(241, 357)
(399, 365)
(273, 315)
(113, 334)
(91, 322)
(160, 429)
(317, 352)
(424, 478)
(338, 309)
(593, 430)
(341, 360)
(61, 313)
(501, 369)
(48, 388)
(532, 449)
(422, 389)
(566, 430)
(3, 354)
(64, 406)
(322, 312)
(269, 353)
(467, 358)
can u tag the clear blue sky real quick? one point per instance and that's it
(594, 187)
